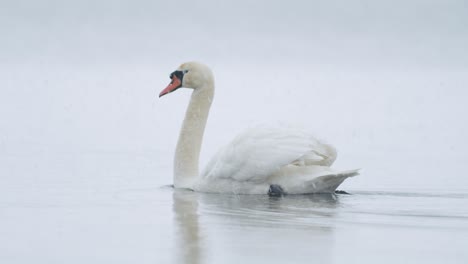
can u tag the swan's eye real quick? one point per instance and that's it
(185, 71)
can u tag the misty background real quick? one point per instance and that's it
(383, 81)
(86, 145)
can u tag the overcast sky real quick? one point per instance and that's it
(346, 33)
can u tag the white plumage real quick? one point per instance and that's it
(264, 155)
(256, 159)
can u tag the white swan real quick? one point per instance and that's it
(262, 160)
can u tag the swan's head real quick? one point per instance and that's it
(192, 75)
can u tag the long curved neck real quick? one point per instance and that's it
(191, 136)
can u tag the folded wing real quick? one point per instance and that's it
(260, 152)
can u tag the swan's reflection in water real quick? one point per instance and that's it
(185, 207)
(232, 228)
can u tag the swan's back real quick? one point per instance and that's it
(260, 153)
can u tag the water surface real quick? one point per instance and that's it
(118, 212)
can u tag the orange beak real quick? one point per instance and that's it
(174, 85)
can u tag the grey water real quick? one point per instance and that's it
(103, 208)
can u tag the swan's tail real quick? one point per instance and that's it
(329, 183)
(319, 179)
